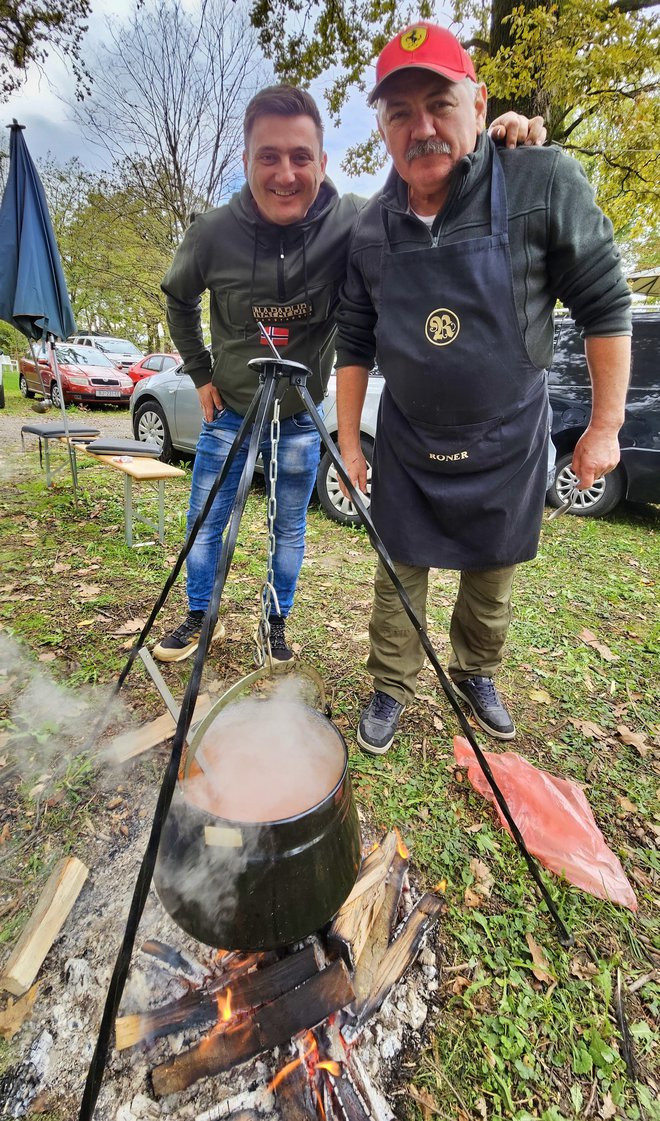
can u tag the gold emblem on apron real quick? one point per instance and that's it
(442, 326)
(413, 38)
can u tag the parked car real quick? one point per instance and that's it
(165, 410)
(152, 364)
(637, 476)
(121, 351)
(87, 376)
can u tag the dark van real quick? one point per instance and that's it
(638, 475)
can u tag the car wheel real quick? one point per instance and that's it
(595, 502)
(335, 504)
(55, 395)
(150, 426)
(23, 386)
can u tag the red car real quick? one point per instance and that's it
(87, 376)
(153, 364)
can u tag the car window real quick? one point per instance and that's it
(569, 366)
(169, 362)
(646, 353)
(119, 346)
(152, 363)
(86, 356)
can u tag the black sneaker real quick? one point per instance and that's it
(183, 642)
(487, 705)
(278, 647)
(378, 723)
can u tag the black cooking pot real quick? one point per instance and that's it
(254, 886)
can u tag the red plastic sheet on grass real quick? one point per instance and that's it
(555, 820)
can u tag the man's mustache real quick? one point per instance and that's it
(428, 148)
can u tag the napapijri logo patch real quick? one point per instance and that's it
(282, 313)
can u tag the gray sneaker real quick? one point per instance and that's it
(488, 707)
(183, 641)
(378, 723)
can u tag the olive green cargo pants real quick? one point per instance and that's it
(479, 626)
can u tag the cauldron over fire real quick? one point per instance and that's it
(229, 871)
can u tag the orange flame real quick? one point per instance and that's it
(401, 847)
(331, 1066)
(441, 887)
(319, 1102)
(223, 1001)
(283, 1073)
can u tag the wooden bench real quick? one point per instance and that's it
(55, 430)
(140, 469)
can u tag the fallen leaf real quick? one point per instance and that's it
(459, 985)
(5, 833)
(541, 696)
(438, 724)
(133, 626)
(584, 970)
(86, 623)
(88, 591)
(60, 567)
(633, 739)
(608, 1108)
(590, 730)
(17, 1012)
(49, 657)
(425, 1100)
(590, 638)
(626, 805)
(540, 966)
(471, 899)
(483, 880)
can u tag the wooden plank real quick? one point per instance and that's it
(55, 902)
(380, 931)
(137, 740)
(140, 466)
(248, 991)
(271, 1026)
(400, 953)
(350, 929)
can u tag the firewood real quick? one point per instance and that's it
(350, 928)
(173, 959)
(350, 1104)
(378, 1107)
(271, 1026)
(138, 740)
(56, 900)
(294, 1096)
(400, 954)
(201, 1007)
(381, 931)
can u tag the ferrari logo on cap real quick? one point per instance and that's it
(413, 38)
(442, 326)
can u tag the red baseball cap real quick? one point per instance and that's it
(424, 46)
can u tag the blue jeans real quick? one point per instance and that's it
(297, 462)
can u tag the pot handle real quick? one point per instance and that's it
(276, 669)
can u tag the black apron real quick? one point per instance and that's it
(460, 462)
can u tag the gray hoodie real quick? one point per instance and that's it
(289, 276)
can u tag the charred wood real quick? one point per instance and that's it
(269, 1027)
(294, 1097)
(247, 991)
(173, 959)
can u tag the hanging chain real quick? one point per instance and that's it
(268, 593)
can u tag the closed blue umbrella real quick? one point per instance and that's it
(33, 292)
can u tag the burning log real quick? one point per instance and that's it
(260, 1100)
(271, 1026)
(293, 1092)
(399, 955)
(248, 991)
(350, 929)
(348, 1101)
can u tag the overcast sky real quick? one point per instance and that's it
(50, 127)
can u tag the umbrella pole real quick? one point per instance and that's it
(65, 419)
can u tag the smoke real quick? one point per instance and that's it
(49, 724)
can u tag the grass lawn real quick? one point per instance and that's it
(511, 1037)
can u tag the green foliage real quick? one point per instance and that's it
(29, 30)
(588, 66)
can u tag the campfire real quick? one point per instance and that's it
(304, 1009)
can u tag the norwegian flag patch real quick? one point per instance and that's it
(277, 335)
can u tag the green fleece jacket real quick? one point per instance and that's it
(287, 276)
(561, 248)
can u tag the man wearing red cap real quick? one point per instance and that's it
(453, 276)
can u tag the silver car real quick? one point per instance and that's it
(165, 410)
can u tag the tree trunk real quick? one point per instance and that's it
(534, 103)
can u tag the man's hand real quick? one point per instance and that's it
(210, 400)
(514, 129)
(596, 453)
(357, 467)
